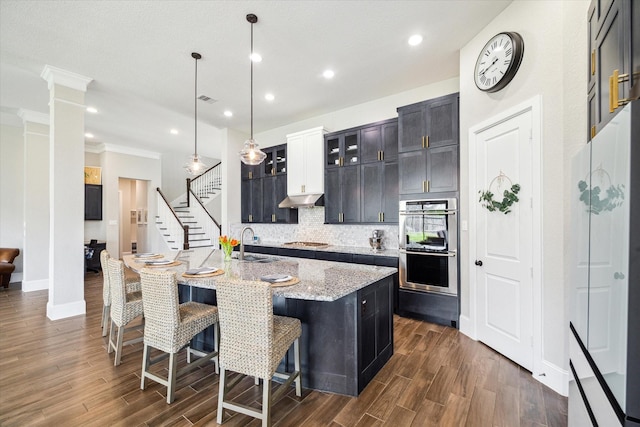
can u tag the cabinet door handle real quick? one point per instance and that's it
(426, 141)
(302, 188)
(593, 131)
(382, 216)
(250, 175)
(614, 80)
(425, 186)
(593, 62)
(250, 218)
(273, 217)
(381, 155)
(423, 142)
(273, 171)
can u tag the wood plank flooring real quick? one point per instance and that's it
(58, 373)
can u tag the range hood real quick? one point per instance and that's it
(302, 201)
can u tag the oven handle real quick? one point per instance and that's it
(449, 254)
(422, 213)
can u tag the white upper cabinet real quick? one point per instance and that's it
(305, 168)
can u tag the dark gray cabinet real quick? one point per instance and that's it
(367, 190)
(428, 137)
(375, 330)
(342, 195)
(274, 190)
(379, 192)
(263, 187)
(251, 200)
(342, 148)
(613, 59)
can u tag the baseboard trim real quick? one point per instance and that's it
(62, 311)
(467, 327)
(35, 285)
(553, 377)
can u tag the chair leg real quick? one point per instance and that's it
(266, 403)
(171, 380)
(110, 344)
(296, 361)
(106, 310)
(120, 334)
(216, 346)
(145, 365)
(221, 395)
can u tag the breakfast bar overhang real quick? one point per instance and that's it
(346, 312)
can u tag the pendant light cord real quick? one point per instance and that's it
(251, 60)
(195, 105)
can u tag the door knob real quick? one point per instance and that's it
(478, 263)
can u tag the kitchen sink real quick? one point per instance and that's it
(254, 258)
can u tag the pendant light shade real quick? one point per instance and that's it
(194, 165)
(250, 153)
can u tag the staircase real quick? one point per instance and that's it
(185, 223)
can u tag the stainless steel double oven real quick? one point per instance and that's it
(428, 245)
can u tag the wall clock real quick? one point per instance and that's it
(498, 62)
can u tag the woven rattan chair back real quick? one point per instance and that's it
(104, 263)
(245, 309)
(121, 314)
(161, 309)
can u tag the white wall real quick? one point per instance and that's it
(118, 165)
(554, 66)
(174, 176)
(11, 192)
(361, 114)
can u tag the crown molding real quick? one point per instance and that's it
(121, 149)
(33, 117)
(66, 78)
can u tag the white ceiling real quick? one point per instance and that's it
(139, 56)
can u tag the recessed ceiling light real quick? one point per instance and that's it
(255, 57)
(228, 113)
(88, 135)
(174, 131)
(92, 110)
(269, 97)
(415, 40)
(328, 74)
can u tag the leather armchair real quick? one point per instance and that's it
(7, 255)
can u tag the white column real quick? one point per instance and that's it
(35, 254)
(66, 191)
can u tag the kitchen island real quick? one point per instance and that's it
(346, 312)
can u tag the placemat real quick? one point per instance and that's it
(289, 282)
(171, 264)
(201, 276)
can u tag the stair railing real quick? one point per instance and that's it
(211, 227)
(207, 182)
(170, 220)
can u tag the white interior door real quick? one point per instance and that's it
(504, 242)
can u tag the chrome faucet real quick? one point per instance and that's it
(242, 240)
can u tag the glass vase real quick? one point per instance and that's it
(227, 253)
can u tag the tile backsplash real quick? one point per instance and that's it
(311, 228)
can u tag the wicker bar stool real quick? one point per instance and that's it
(253, 341)
(170, 326)
(125, 306)
(131, 286)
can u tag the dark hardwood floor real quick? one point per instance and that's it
(58, 373)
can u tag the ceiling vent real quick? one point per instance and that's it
(206, 99)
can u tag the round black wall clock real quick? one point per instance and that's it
(498, 62)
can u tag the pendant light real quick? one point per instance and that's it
(251, 154)
(195, 166)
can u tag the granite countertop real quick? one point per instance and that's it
(330, 248)
(319, 280)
